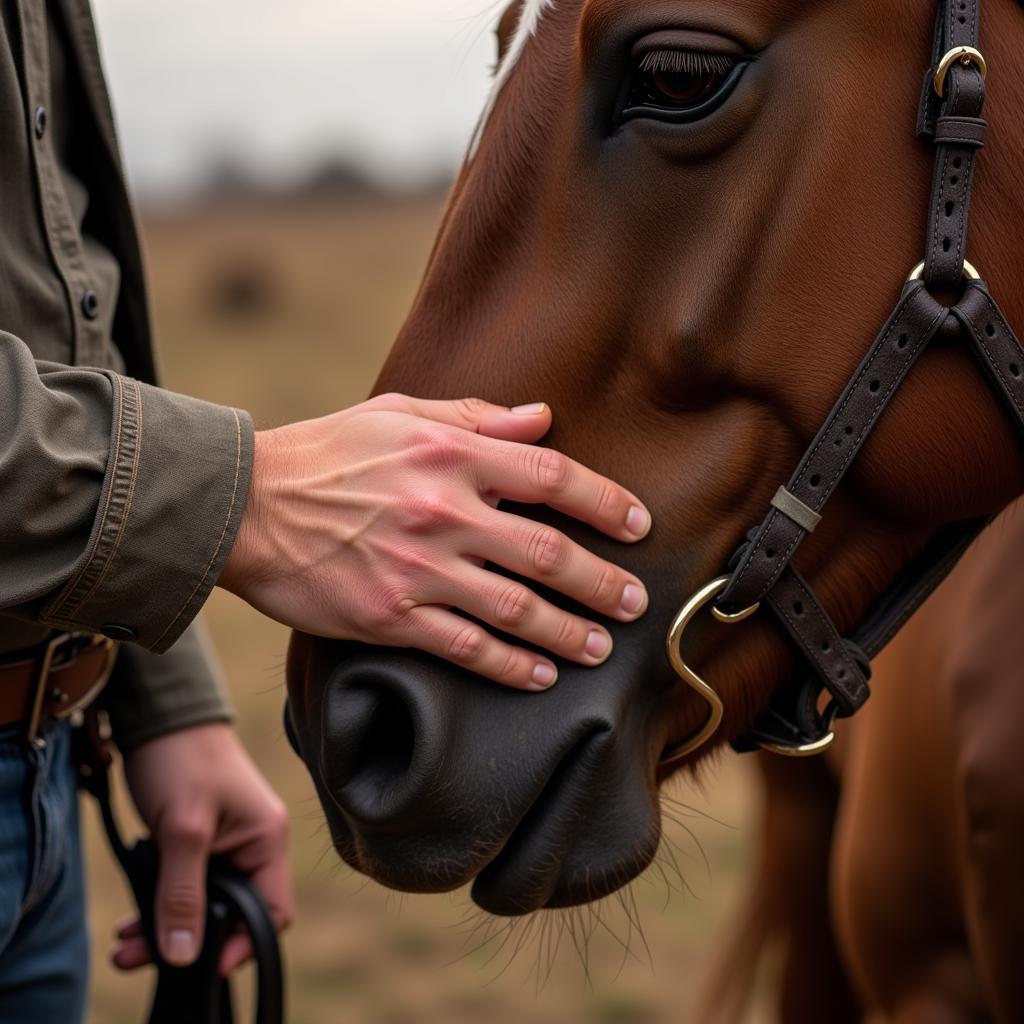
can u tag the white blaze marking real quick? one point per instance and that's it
(526, 29)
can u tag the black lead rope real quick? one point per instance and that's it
(196, 994)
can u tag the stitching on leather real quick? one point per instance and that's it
(223, 532)
(908, 359)
(811, 643)
(852, 390)
(965, 182)
(991, 356)
(834, 639)
(936, 224)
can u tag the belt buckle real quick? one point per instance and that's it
(46, 664)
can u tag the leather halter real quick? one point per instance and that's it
(761, 571)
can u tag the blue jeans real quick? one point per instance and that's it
(44, 946)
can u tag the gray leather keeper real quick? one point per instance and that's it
(960, 131)
(793, 508)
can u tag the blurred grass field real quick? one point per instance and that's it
(288, 310)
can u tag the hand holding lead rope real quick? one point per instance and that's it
(196, 994)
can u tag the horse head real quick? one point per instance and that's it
(680, 223)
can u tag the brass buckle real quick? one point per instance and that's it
(966, 55)
(970, 273)
(672, 645)
(50, 652)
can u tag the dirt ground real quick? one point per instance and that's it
(288, 312)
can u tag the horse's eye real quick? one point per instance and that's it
(680, 85)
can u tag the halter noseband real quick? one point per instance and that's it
(761, 571)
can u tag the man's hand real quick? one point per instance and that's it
(373, 523)
(199, 794)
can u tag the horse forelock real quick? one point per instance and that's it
(530, 16)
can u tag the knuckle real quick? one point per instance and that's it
(180, 900)
(470, 409)
(387, 401)
(609, 500)
(187, 829)
(437, 448)
(278, 822)
(513, 605)
(547, 551)
(465, 645)
(550, 469)
(603, 587)
(566, 636)
(511, 667)
(426, 512)
(387, 607)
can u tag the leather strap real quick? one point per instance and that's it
(792, 719)
(79, 664)
(967, 131)
(953, 122)
(832, 663)
(912, 325)
(996, 345)
(790, 505)
(761, 569)
(952, 179)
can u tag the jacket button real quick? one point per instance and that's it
(123, 633)
(40, 121)
(90, 304)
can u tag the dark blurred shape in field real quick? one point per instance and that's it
(286, 306)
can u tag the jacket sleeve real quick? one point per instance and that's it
(149, 694)
(121, 501)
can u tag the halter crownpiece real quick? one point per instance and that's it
(761, 571)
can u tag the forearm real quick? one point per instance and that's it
(121, 501)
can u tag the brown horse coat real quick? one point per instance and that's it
(690, 298)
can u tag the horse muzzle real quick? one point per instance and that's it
(432, 778)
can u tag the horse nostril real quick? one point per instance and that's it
(371, 736)
(384, 751)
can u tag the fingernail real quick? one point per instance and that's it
(598, 644)
(638, 521)
(544, 675)
(634, 597)
(180, 947)
(534, 409)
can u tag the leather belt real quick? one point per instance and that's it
(54, 680)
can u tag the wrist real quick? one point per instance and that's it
(243, 563)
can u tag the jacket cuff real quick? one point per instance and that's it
(175, 489)
(149, 695)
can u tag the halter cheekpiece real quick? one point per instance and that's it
(761, 571)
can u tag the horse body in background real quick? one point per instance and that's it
(681, 225)
(889, 873)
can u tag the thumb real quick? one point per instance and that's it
(181, 893)
(523, 423)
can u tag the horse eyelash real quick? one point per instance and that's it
(689, 62)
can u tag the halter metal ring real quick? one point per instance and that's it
(803, 749)
(965, 55)
(675, 656)
(970, 273)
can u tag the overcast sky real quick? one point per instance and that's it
(281, 83)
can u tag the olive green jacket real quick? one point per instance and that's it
(120, 500)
